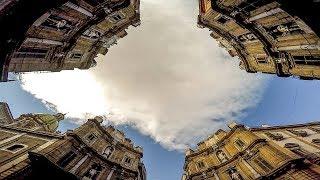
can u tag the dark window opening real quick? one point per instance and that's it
(240, 143)
(76, 55)
(223, 19)
(127, 160)
(66, 159)
(306, 60)
(15, 147)
(316, 141)
(201, 164)
(263, 164)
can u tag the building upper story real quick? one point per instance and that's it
(268, 36)
(71, 35)
(93, 151)
(256, 153)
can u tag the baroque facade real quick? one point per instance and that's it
(31, 148)
(269, 36)
(281, 152)
(71, 35)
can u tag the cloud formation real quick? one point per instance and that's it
(167, 78)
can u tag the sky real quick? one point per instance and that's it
(167, 85)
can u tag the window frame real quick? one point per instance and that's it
(24, 146)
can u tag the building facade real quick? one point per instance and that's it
(269, 36)
(280, 152)
(71, 35)
(31, 148)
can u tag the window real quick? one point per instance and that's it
(299, 132)
(127, 160)
(15, 148)
(306, 60)
(240, 143)
(201, 165)
(223, 19)
(76, 56)
(66, 159)
(316, 141)
(261, 60)
(91, 138)
(275, 136)
(117, 17)
(263, 164)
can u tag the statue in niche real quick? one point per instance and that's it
(108, 151)
(222, 156)
(234, 174)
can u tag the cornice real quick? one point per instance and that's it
(284, 126)
(38, 133)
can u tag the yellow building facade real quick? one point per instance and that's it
(279, 152)
(32, 148)
(71, 35)
(268, 36)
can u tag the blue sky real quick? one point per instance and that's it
(285, 101)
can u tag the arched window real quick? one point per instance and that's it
(108, 151)
(222, 156)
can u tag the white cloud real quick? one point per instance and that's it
(167, 78)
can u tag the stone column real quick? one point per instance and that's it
(73, 170)
(215, 175)
(254, 172)
(111, 173)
